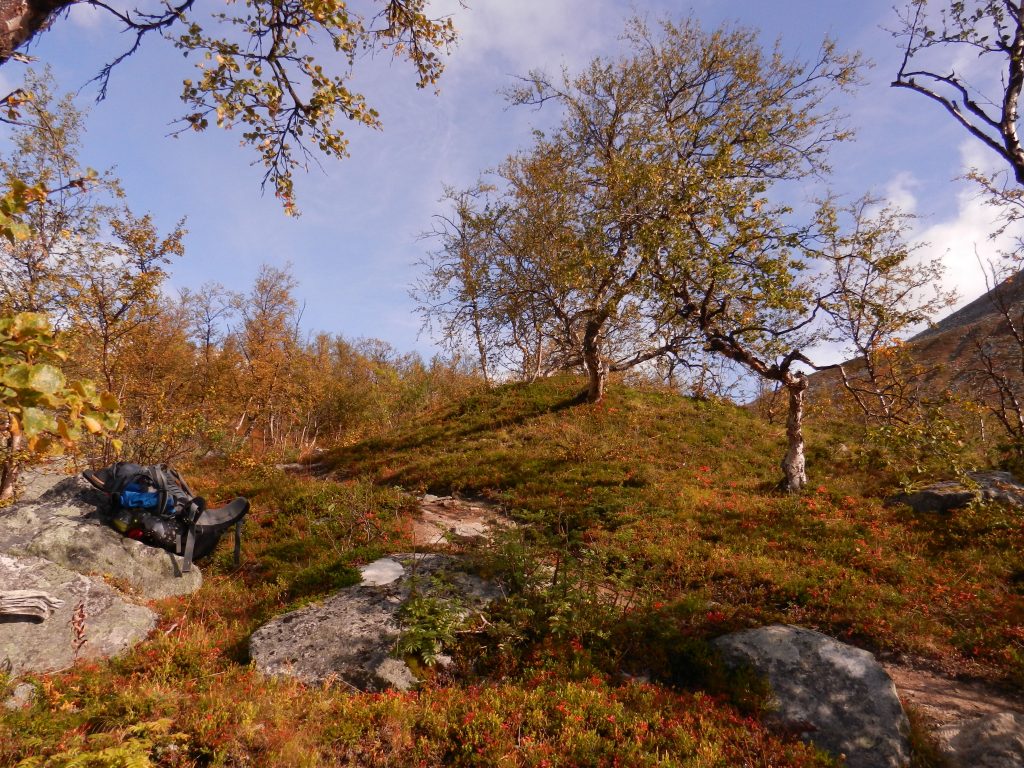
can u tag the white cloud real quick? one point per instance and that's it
(527, 34)
(963, 239)
(86, 16)
(900, 191)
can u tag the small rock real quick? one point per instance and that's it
(837, 695)
(21, 697)
(395, 673)
(993, 741)
(315, 470)
(951, 494)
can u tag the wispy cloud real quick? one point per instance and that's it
(900, 191)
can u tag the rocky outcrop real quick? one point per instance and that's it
(58, 520)
(993, 741)
(91, 621)
(951, 494)
(836, 696)
(350, 636)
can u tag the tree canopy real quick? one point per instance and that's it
(277, 70)
(686, 131)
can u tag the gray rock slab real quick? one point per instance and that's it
(951, 494)
(62, 524)
(350, 635)
(836, 695)
(35, 481)
(993, 741)
(112, 624)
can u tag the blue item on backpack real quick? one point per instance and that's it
(134, 497)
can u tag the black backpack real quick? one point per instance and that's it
(154, 504)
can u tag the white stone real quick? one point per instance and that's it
(381, 572)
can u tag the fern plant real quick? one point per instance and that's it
(429, 625)
(139, 742)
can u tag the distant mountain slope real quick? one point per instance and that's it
(949, 349)
(984, 309)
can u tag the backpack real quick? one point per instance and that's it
(154, 504)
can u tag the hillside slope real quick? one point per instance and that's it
(680, 494)
(648, 525)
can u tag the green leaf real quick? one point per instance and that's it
(108, 401)
(35, 420)
(17, 376)
(31, 323)
(46, 379)
(85, 388)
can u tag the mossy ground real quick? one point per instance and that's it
(650, 524)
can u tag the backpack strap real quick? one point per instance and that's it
(192, 513)
(99, 480)
(238, 543)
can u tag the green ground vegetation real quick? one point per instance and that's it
(648, 525)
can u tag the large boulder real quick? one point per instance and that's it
(59, 519)
(992, 741)
(952, 494)
(350, 636)
(108, 624)
(837, 696)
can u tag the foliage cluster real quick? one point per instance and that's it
(212, 370)
(279, 70)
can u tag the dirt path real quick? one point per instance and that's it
(445, 519)
(943, 701)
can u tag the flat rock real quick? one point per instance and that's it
(951, 494)
(837, 696)
(350, 635)
(61, 523)
(112, 624)
(940, 700)
(993, 741)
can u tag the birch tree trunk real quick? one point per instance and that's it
(794, 463)
(597, 371)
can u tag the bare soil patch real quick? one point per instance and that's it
(447, 519)
(942, 700)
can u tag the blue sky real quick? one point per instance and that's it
(355, 246)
